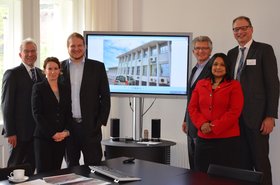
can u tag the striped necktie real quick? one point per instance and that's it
(33, 75)
(241, 64)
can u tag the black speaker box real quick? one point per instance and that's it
(115, 129)
(155, 129)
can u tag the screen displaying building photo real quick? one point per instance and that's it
(152, 64)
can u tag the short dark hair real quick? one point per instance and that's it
(228, 75)
(243, 17)
(51, 59)
(77, 35)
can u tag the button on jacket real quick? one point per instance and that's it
(50, 115)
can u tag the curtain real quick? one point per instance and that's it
(100, 15)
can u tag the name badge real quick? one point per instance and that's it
(251, 62)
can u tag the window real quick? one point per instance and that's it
(9, 47)
(145, 69)
(164, 70)
(153, 70)
(145, 54)
(153, 51)
(58, 19)
(138, 70)
(163, 48)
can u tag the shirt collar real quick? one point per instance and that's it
(83, 61)
(27, 67)
(201, 65)
(247, 45)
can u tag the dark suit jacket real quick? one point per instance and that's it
(50, 115)
(192, 131)
(94, 95)
(16, 102)
(260, 83)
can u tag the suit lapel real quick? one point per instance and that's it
(250, 54)
(40, 75)
(49, 91)
(202, 74)
(66, 72)
(251, 51)
(234, 59)
(85, 71)
(25, 73)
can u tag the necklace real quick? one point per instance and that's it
(215, 85)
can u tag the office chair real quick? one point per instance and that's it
(235, 173)
(5, 172)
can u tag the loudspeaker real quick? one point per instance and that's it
(115, 129)
(155, 129)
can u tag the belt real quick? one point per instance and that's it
(77, 120)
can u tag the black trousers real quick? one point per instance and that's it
(191, 151)
(255, 152)
(49, 154)
(23, 153)
(224, 151)
(78, 142)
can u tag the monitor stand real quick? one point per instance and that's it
(137, 118)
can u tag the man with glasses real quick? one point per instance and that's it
(254, 65)
(202, 48)
(19, 124)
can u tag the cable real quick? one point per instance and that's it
(148, 107)
(130, 104)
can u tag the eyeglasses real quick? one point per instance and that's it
(242, 28)
(201, 48)
(29, 51)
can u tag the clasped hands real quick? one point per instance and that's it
(206, 128)
(60, 136)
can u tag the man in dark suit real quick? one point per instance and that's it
(202, 48)
(256, 69)
(16, 105)
(91, 103)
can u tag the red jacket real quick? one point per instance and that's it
(221, 107)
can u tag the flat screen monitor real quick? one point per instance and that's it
(143, 64)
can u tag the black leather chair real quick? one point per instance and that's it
(235, 173)
(5, 172)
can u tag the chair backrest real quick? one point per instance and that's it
(235, 173)
(5, 172)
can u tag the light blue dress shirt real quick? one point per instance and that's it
(76, 76)
(200, 67)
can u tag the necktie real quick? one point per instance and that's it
(33, 76)
(241, 63)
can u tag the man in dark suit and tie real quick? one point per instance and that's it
(202, 48)
(91, 103)
(258, 76)
(19, 124)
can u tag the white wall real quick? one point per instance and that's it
(212, 18)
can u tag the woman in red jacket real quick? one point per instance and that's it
(214, 108)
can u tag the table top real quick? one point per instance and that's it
(123, 143)
(149, 172)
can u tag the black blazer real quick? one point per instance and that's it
(260, 83)
(94, 95)
(16, 102)
(50, 115)
(192, 130)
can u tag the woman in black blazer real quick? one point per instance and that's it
(51, 108)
